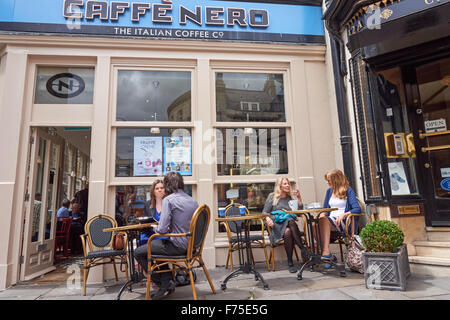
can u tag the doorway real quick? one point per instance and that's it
(430, 117)
(58, 166)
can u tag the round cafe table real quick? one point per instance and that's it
(242, 224)
(315, 251)
(133, 232)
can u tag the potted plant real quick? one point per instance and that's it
(386, 264)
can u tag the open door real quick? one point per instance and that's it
(41, 205)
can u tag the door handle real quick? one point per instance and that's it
(436, 148)
(427, 165)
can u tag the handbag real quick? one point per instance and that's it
(354, 258)
(118, 241)
(281, 216)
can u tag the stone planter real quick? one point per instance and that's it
(385, 270)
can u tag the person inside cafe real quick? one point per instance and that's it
(76, 229)
(82, 197)
(177, 210)
(153, 208)
(339, 195)
(287, 229)
(63, 212)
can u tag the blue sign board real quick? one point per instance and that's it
(445, 184)
(166, 19)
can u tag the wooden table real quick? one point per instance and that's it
(133, 232)
(246, 266)
(312, 223)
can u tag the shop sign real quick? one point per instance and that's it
(410, 209)
(371, 17)
(65, 85)
(445, 184)
(435, 125)
(445, 172)
(162, 19)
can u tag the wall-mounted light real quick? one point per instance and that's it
(72, 174)
(83, 179)
(248, 131)
(155, 130)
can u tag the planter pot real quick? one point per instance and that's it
(385, 270)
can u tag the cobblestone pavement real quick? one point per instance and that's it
(318, 285)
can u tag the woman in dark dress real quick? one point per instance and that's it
(288, 229)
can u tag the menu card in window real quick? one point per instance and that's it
(148, 156)
(178, 155)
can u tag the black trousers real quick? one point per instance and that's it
(163, 247)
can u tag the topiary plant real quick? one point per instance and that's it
(382, 236)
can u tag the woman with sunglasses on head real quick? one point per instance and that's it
(340, 195)
(288, 229)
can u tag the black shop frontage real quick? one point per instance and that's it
(395, 56)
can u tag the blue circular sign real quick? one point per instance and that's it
(445, 184)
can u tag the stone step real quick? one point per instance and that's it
(432, 249)
(438, 233)
(430, 266)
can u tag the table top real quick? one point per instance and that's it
(131, 227)
(243, 217)
(318, 210)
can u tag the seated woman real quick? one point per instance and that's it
(288, 229)
(153, 208)
(340, 196)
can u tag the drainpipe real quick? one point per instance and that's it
(340, 71)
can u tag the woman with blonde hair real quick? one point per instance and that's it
(340, 195)
(286, 229)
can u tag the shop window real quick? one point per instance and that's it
(147, 152)
(62, 85)
(130, 199)
(251, 195)
(366, 132)
(153, 96)
(251, 151)
(398, 138)
(250, 97)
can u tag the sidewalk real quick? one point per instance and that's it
(319, 285)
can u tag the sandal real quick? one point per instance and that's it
(329, 257)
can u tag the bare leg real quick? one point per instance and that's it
(325, 232)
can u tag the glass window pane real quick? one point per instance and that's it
(434, 88)
(250, 97)
(39, 180)
(394, 118)
(251, 151)
(153, 96)
(130, 200)
(139, 152)
(56, 85)
(251, 195)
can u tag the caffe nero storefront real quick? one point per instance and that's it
(395, 56)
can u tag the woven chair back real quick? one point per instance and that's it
(98, 237)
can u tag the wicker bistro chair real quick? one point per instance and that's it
(94, 237)
(197, 235)
(257, 240)
(281, 243)
(357, 222)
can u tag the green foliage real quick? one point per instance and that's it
(382, 236)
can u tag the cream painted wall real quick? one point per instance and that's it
(313, 146)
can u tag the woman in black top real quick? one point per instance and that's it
(288, 229)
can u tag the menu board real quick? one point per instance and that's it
(177, 155)
(148, 158)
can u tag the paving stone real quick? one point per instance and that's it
(328, 294)
(416, 288)
(362, 293)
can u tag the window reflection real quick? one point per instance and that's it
(153, 96)
(251, 195)
(248, 97)
(56, 85)
(251, 151)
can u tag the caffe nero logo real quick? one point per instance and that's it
(65, 85)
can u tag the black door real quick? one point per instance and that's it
(430, 115)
